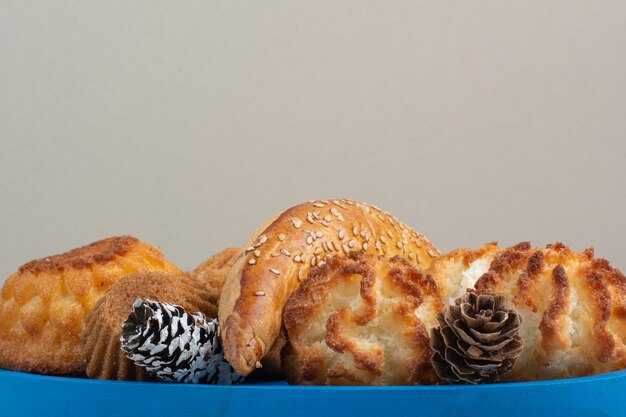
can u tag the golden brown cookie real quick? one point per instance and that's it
(213, 272)
(100, 338)
(361, 320)
(42, 305)
(573, 305)
(281, 252)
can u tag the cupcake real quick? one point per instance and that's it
(100, 338)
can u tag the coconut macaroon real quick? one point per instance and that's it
(361, 320)
(573, 305)
(42, 305)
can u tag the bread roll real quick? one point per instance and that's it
(279, 255)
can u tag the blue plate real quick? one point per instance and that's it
(24, 394)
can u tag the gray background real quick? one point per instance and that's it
(187, 124)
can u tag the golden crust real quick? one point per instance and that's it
(572, 305)
(281, 253)
(361, 320)
(100, 338)
(42, 306)
(213, 272)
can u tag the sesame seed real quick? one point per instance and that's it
(327, 218)
(320, 205)
(319, 234)
(345, 248)
(411, 255)
(351, 243)
(399, 245)
(383, 239)
(317, 214)
(317, 251)
(338, 204)
(263, 239)
(260, 293)
(309, 240)
(341, 234)
(365, 246)
(274, 271)
(390, 234)
(432, 253)
(355, 231)
(313, 261)
(335, 245)
(257, 253)
(249, 248)
(281, 237)
(404, 242)
(299, 275)
(363, 233)
(252, 261)
(297, 223)
(309, 218)
(275, 254)
(377, 245)
(285, 252)
(321, 263)
(325, 223)
(297, 258)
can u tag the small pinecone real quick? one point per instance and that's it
(174, 345)
(477, 340)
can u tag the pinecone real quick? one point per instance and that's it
(174, 345)
(477, 340)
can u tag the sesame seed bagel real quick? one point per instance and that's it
(573, 305)
(42, 305)
(278, 257)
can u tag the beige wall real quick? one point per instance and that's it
(188, 123)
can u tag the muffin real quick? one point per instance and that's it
(213, 272)
(42, 305)
(100, 338)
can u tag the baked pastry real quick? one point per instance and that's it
(100, 338)
(573, 305)
(43, 304)
(213, 272)
(281, 252)
(361, 320)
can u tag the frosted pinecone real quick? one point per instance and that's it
(174, 345)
